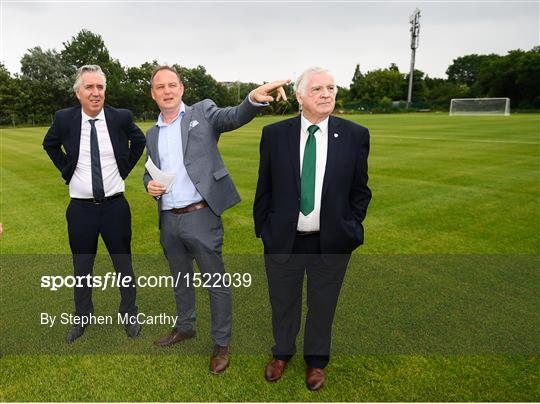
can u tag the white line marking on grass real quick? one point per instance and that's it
(454, 139)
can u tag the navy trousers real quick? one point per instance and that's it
(285, 284)
(112, 220)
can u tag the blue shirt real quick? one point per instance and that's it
(171, 158)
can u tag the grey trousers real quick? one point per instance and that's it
(197, 236)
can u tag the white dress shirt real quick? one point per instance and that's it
(311, 222)
(80, 185)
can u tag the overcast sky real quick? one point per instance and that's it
(262, 41)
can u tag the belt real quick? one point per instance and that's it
(190, 208)
(98, 201)
(306, 233)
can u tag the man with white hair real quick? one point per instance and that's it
(311, 199)
(95, 147)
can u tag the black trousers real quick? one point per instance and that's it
(86, 221)
(285, 284)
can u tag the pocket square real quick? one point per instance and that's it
(192, 124)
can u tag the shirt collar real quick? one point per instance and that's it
(86, 118)
(305, 124)
(161, 122)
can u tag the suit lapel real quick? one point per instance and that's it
(153, 145)
(333, 152)
(111, 127)
(294, 150)
(114, 130)
(75, 130)
(184, 127)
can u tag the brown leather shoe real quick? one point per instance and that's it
(274, 370)
(174, 336)
(314, 378)
(219, 360)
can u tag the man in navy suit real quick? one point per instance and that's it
(95, 147)
(311, 199)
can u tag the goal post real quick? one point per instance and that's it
(480, 106)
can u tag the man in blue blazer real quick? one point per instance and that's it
(311, 199)
(95, 147)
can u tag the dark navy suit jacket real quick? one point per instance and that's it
(62, 141)
(345, 194)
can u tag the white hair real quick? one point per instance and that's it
(88, 69)
(301, 82)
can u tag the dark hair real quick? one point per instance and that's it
(157, 69)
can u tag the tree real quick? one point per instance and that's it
(200, 85)
(46, 81)
(465, 69)
(378, 86)
(136, 91)
(528, 78)
(439, 92)
(383, 83)
(419, 90)
(343, 95)
(357, 86)
(515, 75)
(10, 97)
(88, 48)
(85, 48)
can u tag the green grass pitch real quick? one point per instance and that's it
(442, 187)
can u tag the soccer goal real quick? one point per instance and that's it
(480, 106)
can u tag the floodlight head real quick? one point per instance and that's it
(414, 16)
(414, 20)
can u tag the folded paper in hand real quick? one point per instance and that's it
(167, 179)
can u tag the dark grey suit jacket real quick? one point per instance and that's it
(201, 127)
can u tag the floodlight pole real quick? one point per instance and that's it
(414, 19)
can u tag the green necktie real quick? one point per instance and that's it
(307, 189)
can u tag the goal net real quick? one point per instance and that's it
(480, 106)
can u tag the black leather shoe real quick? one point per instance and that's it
(74, 332)
(133, 330)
